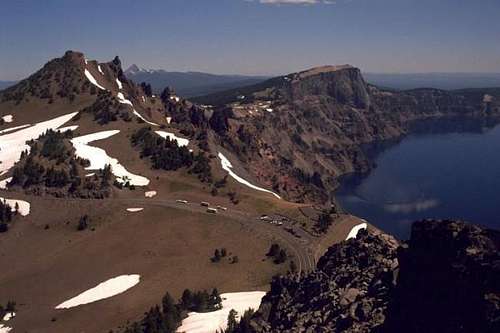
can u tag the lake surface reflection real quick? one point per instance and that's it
(447, 169)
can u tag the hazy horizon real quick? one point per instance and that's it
(260, 37)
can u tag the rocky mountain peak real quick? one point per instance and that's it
(324, 69)
(132, 69)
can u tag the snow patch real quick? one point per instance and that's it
(13, 144)
(106, 289)
(5, 329)
(100, 69)
(354, 231)
(90, 174)
(270, 110)
(24, 206)
(67, 128)
(92, 80)
(226, 165)
(150, 194)
(3, 183)
(123, 100)
(119, 83)
(210, 322)
(134, 210)
(145, 120)
(99, 158)
(181, 142)
(169, 120)
(8, 118)
(14, 128)
(8, 316)
(143, 99)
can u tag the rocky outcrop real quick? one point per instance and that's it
(348, 292)
(445, 279)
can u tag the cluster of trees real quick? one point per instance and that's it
(146, 87)
(51, 165)
(83, 223)
(106, 109)
(306, 178)
(6, 215)
(219, 121)
(277, 253)
(167, 317)
(167, 155)
(8, 308)
(325, 220)
(58, 77)
(219, 254)
(243, 326)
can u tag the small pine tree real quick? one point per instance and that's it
(83, 223)
(232, 322)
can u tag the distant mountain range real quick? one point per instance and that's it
(189, 84)
(447, 81)
(194, 84)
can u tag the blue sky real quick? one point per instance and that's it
(255, 37)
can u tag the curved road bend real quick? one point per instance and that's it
(300, 247)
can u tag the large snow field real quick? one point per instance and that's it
(181, 142)
(99, 158)
(24, 206)
(354, 231)
(106, 289)
(13, 144)
(226, 165)
(210, 322)
(93, 80)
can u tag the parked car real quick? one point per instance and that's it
(212, 210)
(182, 201)
(221, 208)
(205, 204)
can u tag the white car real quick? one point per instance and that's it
(182, 201)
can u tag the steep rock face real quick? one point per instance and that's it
(445, 279)
(289, 128)
(449, 280)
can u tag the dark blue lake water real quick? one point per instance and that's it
(430, 175)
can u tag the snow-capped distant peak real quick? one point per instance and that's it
(134, 69)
